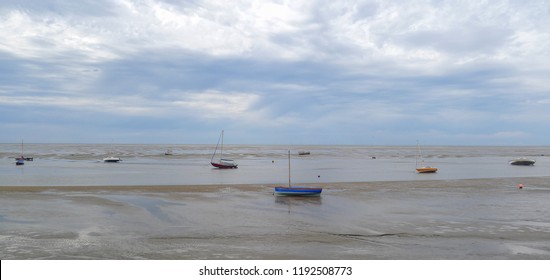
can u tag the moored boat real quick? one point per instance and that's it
(222, 163)
(296, 190)
(111, 159)
(423, 168)
(522, 161)
(21, 159)
(426, 169)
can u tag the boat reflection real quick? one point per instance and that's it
(298, 200)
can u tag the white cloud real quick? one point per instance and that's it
(220, 105)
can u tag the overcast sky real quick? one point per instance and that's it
(275, 72)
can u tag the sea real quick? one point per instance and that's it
(147, 164)
(373, 205)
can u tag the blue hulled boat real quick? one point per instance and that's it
(298, 191)
(295, 190)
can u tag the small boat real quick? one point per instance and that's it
(168, 152)
(304, 153)
(296, 190)
(423, 168)
(111, 159)
(426, 169)
(20, 160)
(522, 161)
(222, 163)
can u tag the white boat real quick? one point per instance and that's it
(522, 161)
(296, 190)
(223, 163)
(422, 168)
(111, 159)
(168, 152)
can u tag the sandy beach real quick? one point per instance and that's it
(434, 219)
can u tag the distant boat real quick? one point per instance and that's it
(111, 159)
(522, 161)
(295, 190)
(303, 153)
(423, 168)
(21, 159)
(223, 163)
(168, 152)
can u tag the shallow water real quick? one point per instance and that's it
(485, 219)
(81, 164)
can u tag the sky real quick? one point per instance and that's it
(275, 72)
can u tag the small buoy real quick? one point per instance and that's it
(520, 186)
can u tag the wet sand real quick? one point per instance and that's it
(436, 219)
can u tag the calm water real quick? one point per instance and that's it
(411, 219)
(81, 164)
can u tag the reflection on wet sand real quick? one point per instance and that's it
(299, 200)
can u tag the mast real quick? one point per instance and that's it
(416, 158)
(221, 150)
(289, 169)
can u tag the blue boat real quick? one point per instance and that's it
(295, 190)
(298, 191)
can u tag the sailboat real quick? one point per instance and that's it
(423, 168)
(20, 160)
(111, 158)
(222, 162)
(295, 190)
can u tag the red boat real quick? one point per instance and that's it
(222, 162)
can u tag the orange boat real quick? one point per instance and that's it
(426, 169)
(423, 168)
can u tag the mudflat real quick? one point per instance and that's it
(437, 219)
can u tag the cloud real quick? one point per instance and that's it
(392, 69)
(218, 105)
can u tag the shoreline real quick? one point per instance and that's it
(543, 181)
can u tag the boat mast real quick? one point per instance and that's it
(217, 144)
(221, 150)
(416, 158)
(289, 168)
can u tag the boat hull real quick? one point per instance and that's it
(297, 191)
(426, 170)
(523, 162)
(111, 159)
(223, 165)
